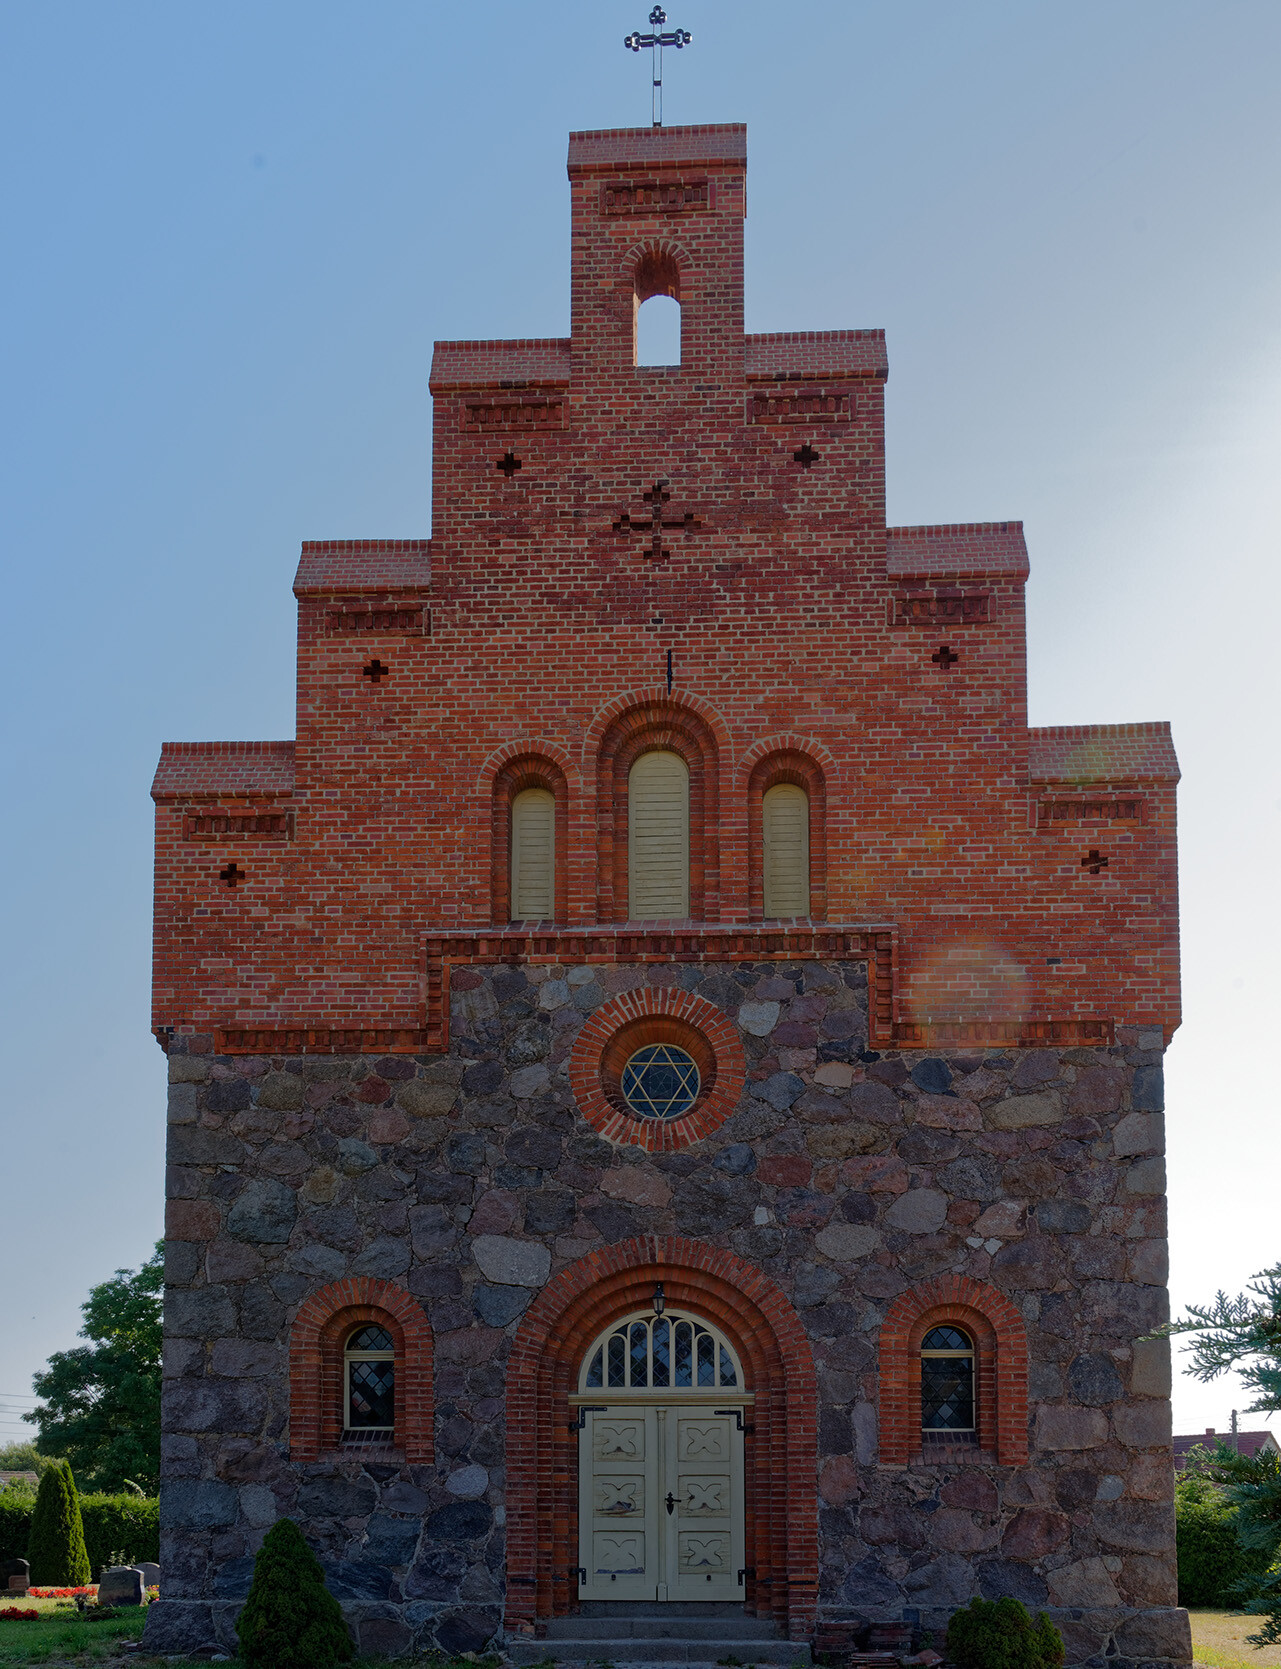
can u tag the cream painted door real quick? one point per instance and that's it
(704, 1540)
(660, 1503)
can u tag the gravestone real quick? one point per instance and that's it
(150, 1573)
(15, 1576)
(121, 1585)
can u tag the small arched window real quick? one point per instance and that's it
(785, 827)
(658, 837)
(533, 857)
(947, 1381)
(369, 1376)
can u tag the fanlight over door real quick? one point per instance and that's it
(658, 837)
(661, 1403)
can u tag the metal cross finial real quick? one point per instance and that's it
(656, 41)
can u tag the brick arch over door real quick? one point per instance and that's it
(1000, 1345)
(316, 1343)
(658, 722)
(542, 1452)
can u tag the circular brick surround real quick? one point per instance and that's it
(662, 1014)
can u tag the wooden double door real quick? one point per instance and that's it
(661, 1510)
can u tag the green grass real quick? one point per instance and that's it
(61, 1635)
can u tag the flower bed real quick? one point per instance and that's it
(62, 1593)
(16, 1614)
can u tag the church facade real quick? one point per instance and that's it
(665, 1068)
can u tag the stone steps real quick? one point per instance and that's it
(688, 1636)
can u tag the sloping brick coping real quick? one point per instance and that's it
(781, 1579)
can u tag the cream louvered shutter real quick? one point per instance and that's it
(533, 855)
(658, 837)
(786, 822)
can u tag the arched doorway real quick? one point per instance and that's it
(661, 1405)
(575, 1314)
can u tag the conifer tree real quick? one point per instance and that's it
(291, 1620)
(56, 1549)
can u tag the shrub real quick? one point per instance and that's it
(999, 1634)
(1212, 1561)
(291, 1620)
(56, 1551)
(124, 1525)
(15, 1525)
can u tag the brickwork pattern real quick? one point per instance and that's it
(1000, 1371)
(778, 1368)
(316, 1344)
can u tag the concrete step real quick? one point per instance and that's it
(626, 1649)
(656, 1626)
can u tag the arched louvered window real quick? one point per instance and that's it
(533, 866)
(658, 836)
(785, 826)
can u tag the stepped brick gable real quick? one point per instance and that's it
(894, 1150)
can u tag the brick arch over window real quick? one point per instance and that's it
(526, 766)
(657, 267)
(781, 1452)
(787, 760)
(1000, 1368)
(316, 1341)
(666, 722)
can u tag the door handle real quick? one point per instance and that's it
(671, 1503)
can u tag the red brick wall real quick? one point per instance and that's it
(536, 623)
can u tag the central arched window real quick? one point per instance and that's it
(947, 1380)
(658, 836)
(533, 860)
(785, 827)
(670, 1352)
(369, 1373)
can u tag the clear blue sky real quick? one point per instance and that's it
(232, 233)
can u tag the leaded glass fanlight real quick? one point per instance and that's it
(670, 1352)
(947, 1381)
(369, 1371)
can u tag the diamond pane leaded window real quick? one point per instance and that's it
(947, 1380)
(370, 1364)
(660, 1081)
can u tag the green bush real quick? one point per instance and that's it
(291, 1620)
(57, 1548)
(126, 1524)
(999, 1634)
(1212, 1561)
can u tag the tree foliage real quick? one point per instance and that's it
(1213, 1560)
(101, 1401)
(291, 1620)
(999, 1634)
(56, 1551)
(1245, 1333)
(24, 1457)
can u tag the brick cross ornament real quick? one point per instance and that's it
(656, 40)
(654, 523)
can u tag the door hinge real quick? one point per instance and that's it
(579, 1572)
(738, 1416)
(581, 1421)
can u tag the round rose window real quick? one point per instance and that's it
(660, 1081)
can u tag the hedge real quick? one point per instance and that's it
(126, 1524)
(1211, 1559)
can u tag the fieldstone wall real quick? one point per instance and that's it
(847, 1176)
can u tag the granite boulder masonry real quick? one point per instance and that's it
(665, 1133)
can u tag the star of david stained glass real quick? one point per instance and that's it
(660, 1081)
